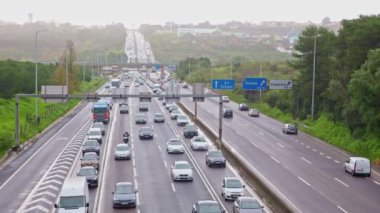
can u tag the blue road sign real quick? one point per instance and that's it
(255, 84)
(223, 84)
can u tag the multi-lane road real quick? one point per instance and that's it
(31, 182)
(137, 49)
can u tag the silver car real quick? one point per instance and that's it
(182, 171)
(122, 151)
(199, 143)
(99, 125)
(95, 134)
(247, 205)
(182, 120)
(174, 146)
(159, 118)
(174, 114)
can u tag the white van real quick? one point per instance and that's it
(358, 166)
(74, 196)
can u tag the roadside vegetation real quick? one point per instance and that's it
(347, 82)
(18, 77)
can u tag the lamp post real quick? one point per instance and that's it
(36, 72)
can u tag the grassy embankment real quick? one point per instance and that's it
(48, 113)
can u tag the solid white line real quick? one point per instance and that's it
(173, 187)
(346, 185)
(342, 209)
(136, 183)
(37, 152)
(274, 159)
(376, 182)
(166, 165)
(306, 160)
(304, 181)
(336, 161)
(282, 146)
(137, 200)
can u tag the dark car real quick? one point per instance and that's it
(146, 133)
(91, 146)
(91, 175)
(124, 195)
(247, 205)
(190, 131)
(243, 107)
(173, 107)
(185, 86)
(290, 129)
(253, 113)
(143, 107)
(140, 119)
(215, 158)
(207, 206)
(228, 113)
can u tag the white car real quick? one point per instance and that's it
(95, 134)
(225, 99)
(174, 146)
(182, 120)
(199, 143)
(232, 188)
(122, 151)
(174, 114)
(181, 170)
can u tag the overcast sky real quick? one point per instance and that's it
(135, 12)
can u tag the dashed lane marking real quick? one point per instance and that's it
(343, 183)
(306, 160)
(304, 181)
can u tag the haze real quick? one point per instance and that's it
(134, 13)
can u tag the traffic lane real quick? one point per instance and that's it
(278, 175)
(25, 176)
(189, 192)
(117, 170)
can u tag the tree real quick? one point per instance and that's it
(364, 95)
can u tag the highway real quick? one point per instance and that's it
(137, 49)
(308, 172)
(57, 155)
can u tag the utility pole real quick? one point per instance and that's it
(67, 73)
(260, 76)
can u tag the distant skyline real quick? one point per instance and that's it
(136, 12)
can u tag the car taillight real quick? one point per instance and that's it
(93, 116)
(106, 115)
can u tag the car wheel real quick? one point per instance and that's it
(353, 173)
(224, 165)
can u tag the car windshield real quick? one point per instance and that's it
(94, 132)
(182, 166)
(97, 125)
(215, 154)
(71, 202)
(199, 139)
(124, 189)
(87, 172)
(175, 142)
(176, 112)
(182, 117)
(140, 117)
(91, 143)
(143, 105)
(250, 204)
(124, 107)
(209, 208)
(146, 130)
(159, 115)
(233, 183)
(191, 128)
(90, 156)
(122, 148)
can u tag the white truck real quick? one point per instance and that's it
(115, 82)
(74, 196)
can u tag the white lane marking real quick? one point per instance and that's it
(133, 161)
(166, 165)
(37, 152)
(346, 185)
(328, 157)
(237, 132)
(304, 181)
(336, 161)
(173, 187)
(376, 182)
(321, 153)
(302, 143)
(255, 145)
(308, 147)
(306, 160)
(342, 209)
(261, 133)
(138, 210)
(159, 147)
(275, 159)
(247, 125)
(136, 183)
(296, 141)
(314, 150)
(280, 145)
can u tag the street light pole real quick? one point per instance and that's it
(313, 89)
(36, 71)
